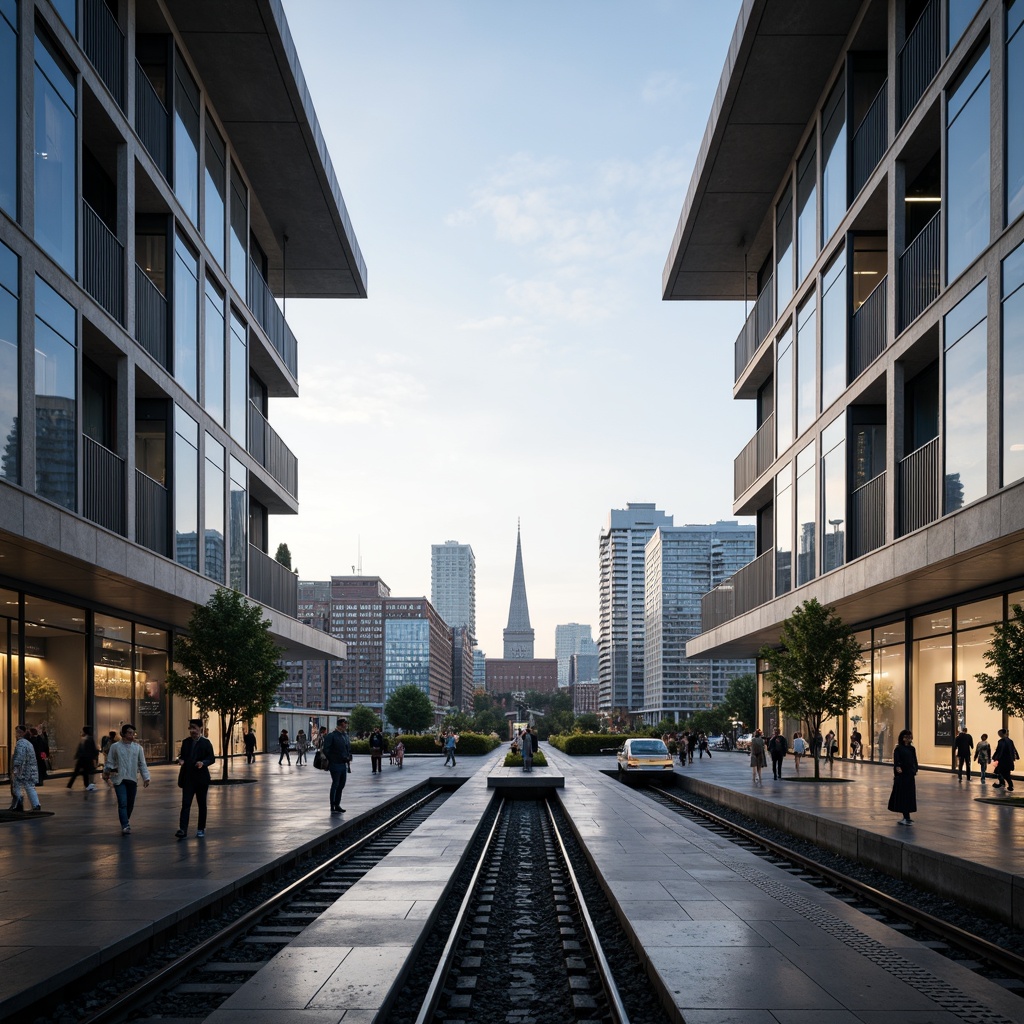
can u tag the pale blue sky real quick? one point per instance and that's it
(514, 172)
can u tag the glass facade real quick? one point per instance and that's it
(186, 139)
(186, 490)
(406, 655)
(238, 265)
(238, 525)
(56, 144)
(68, 13)
(833, 161)
(807, 210)
(784, 390)
(967, 166)
(216, 179)
(784, 249)
(213, 348)
(238, 380)
(186, 317)
(833, 330)
(965, 417)
(960, 14)
(806, 364)
(806, 526)
(214, 546)
(1013, 367)
(1014, 134)
(56, 391)
(9, 375)
(784, 530)
(833, 495)
(9, 107)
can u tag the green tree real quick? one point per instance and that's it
(1003, 689)
(714, 722)
(560, 701)
(588, 722)
(457, 721)
(229, 663)
(284, 555)
(558, 723)
(363, 719)
(41, 690)
(814, 674)
(488, 714)
(741, 700)
(410, 709)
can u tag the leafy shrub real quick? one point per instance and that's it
(591, 745)
(516, 760)
(472, 744)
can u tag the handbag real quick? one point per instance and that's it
(318, 760)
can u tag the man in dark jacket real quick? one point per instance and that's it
(1005, 755)
(778, 746)
(85, 759)
(338, 750)
(963, 744)
(376, 751)
(195, 759)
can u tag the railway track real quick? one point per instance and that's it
(969, 948)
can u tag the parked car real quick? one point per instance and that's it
(641, 755)
(743, 742)
(716, 742)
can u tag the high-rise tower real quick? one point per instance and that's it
(518, 634)
(453, 584)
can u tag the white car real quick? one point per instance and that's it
(743, 742)
(642, 755)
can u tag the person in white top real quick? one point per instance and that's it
(125, 761)
(799, 749)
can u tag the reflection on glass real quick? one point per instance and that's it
(806, 527)
(833, 330)
(213, 543)
(784, 249)
(960, 14)
(806, 364)
(186, 139)
(186, 490)
(9, 107)
(932, 623)
(967, 166)
(869, 266)
(56, 397)
(1014, 136)
(833, 495)
(216, 184)
(1013, 363)
(979, 613)
(186, 317)
(213, 344)
(890, 633)
(9, 375)
(238, 385)
(784, 390)
(807, 210)
(784, 531)
(888, 699)
(238, 512)
(833, 158)
(68, 13)
(239, 262)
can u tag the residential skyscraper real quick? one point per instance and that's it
(571, 638)
(682, 564)
(453, 584)
(621, 631)
(518, 634)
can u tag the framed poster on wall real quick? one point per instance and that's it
(944, 710)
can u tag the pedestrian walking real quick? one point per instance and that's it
(449, 747)
(757, 758)
(777, 745)
(831, 746)
(526, 745)
(250, 745)
(376, 751)
(983, 755)
(1002, 764)
(337, 749)
(856, 744)
(106, 743)
(285, 746)
(85, 760)
(903, 798)
(41, 748)
(24, 772)
(301, 746)
(963, 743)
(816, 743)
(691, 745)
(702, 746)
(196, 757)
(799, 750)
(126, 760)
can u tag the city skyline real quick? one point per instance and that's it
(513, 231)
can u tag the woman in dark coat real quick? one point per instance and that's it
(903, 799)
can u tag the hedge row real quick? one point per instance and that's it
(591, 745)
(516, 760)
(470, 744)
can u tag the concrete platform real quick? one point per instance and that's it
(729, 938)
(76, 893)
(513, 779)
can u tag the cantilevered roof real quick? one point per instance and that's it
(244, 53)
(779, 60)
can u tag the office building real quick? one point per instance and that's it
(479, 669)
(571, 638)
(453, 584)
(584, 668)
(621, 630)
(682, 564)
(584, 698)
(161, 165)
(518, 675)
(417, 650)
(871, 210)
(518, 634)
(462, 669)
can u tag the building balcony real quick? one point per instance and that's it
(150, 317)
(870, 139)
(919, 279)
(917, 495)
(868, 333)
(103, 42)
(102, 263)
(152, 501)
(272, 584)
(749, 588)
(867, 510)
(756, 328)
(152, 122)
(756, 458)
(103, 486)
(918, 61)
(268, 314)
(267, 448)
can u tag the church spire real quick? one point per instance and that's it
(518, 636)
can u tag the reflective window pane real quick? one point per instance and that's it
(806, 364)
(9, 368)
(960, 14)
(186, 490)
(833, 159)
(186, 139)
(807, 207)
(833, 495)
(238, 524)
(784, 249)
(9, 107)
(214, 547)
(238, 386)
(784, 391)
(833, 330)
(784, 531)
(213, 347)
(806, 527)
(186, 317)
(239, 262)
(216, 184)
(68, 13)
(1014, 136)
(1013, 367)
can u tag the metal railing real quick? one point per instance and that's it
(150, 317)
(102, 263)
(918, 488)
(717, 606)
(755, 330)
(103, 486)
(103, 42)
(757, 456)
(753, 583)
(870, 138)
(919, 274)
(151, 507)
(918, 61)
(266, 310)
(151, 119)
(869, 329)
(867, 508)
(272, 584)
(267, 448)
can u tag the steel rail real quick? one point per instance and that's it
(148, 987)
(433, 995)
(618, 1009)
(976, 945)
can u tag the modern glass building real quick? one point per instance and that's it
(860, 186)
(163, 184)
(453, 583)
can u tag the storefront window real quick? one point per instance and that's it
(976, 714)
(55, 669)
(891, 633)
(8, 608)
(150, 661)
(112, 674)
(888, 699)
(980, 613)
(938, 698)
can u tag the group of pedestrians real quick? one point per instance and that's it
(1002, 760)
(688, 742)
